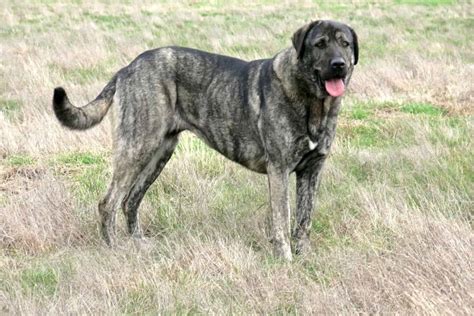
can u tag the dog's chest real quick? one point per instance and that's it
(321, 124)
(312, 145)
(320, 131)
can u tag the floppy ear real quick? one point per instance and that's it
(300, 36)
(355, 46)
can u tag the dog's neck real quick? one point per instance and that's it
(322, 115)
(296, 88)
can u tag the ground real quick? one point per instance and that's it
(392, 230)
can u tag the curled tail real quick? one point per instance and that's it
(86, 116)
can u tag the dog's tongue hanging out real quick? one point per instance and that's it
(335, 87)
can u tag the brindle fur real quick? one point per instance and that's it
(272, 116)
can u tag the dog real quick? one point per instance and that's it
(274, 116)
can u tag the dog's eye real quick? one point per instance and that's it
(320, 44)
(345, 43)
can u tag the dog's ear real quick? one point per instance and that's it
(300, 36)
(355, 45)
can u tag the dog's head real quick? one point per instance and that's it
(326, 54)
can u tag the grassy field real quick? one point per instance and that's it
(393, 228)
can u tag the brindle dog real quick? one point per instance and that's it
(273, 116)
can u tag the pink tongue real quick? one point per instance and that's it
(335, 87)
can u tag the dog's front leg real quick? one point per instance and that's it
(279, 201)
(307, 181)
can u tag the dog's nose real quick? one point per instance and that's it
(337, 63)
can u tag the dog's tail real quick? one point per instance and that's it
(86, 116)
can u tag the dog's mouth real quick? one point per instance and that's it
(335, 87)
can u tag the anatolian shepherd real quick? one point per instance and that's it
(273, 116)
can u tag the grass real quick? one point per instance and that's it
(41, 280)
(10, 108)
(426, 2)
(80, 159)
(20, 160)
(392, 228)
(421, 108)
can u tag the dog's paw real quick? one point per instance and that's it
(303, 246)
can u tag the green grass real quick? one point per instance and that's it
(80, 159)
(10, 108)
(366, 136)
(360, 113)
(42, 280)
(88, 172)
(109, 22)
(21, 160)
(91, 184)
(376, 133)
(426, 2)
(139, 301)
(87, 74)
(422, 108)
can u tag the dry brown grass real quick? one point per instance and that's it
(393, 226)
(399, 259)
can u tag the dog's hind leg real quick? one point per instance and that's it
(144, 180)
(125, 173)
(134, 172)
